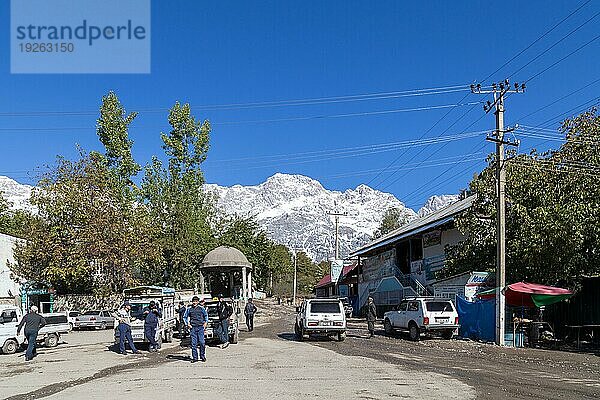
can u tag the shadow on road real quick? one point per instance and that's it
(179, 357)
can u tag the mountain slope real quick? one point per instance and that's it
(294, 209)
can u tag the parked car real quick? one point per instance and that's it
(71, 316)
(97, 319)
(422, 315)
(10, 342)
(321, 316)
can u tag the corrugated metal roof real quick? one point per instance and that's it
(418, 225)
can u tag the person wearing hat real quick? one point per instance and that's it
(196, 319)
(124, 328)
(33, 323)
(371, 316)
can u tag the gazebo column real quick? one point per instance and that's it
(202, 285)
(244, 287)
(250, 284)
(231, 292)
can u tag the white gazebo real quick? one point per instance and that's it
(229, 260)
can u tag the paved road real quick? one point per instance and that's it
(269, 364)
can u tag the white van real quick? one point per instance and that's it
(10, 342)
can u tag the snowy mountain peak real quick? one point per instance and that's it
(16, 193)
(294, 210)
(436, 202)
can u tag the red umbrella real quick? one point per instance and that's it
(529, 294)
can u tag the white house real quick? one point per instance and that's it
(9, 289)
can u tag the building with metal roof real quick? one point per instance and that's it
(405, 262)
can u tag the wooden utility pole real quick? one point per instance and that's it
(499, 91)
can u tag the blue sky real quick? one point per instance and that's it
(208, 53)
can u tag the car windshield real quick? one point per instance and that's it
(211, 309)
(91, 313)
(438, 306)
(325, 307)
(73, 313)
(137, 309)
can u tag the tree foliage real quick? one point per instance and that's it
(552, 212)
(393, 218)
(85, 237)
(13, 222)
(177, 203)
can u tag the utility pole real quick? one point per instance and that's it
(337, 216)
(295, 276)
(499, 91)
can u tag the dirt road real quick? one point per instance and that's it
(270, 364)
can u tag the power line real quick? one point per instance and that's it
(300, 118)
(356, 149)
(277, 103)
(538, 39)
(553, 45)
(563, 58)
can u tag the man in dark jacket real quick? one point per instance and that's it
(150, 326)
(371, 316)
(33, 323)
(196, 319)
(224, 311)
(249, 312)
(182, 326)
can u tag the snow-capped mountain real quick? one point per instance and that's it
(16, 193)
(434, 203)
(294, 210)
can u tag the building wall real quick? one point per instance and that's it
(7, 244)
(450, 236)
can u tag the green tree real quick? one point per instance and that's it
(177, 202)
(309, 273)
(83, 239)
(112, 128)
(281, 270)
(393, 218)
(13, 222)
(553, 212)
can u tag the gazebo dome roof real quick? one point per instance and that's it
(225, 256)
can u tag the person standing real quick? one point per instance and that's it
(249, 312)
(150, 325)
(124, 329)
(196, 319)
(224, 311)
(33, 323)
(182, 326)
(371, 316)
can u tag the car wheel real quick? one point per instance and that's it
(448, 333)
(341, 336)
(168, 336)
(387, 325)
(103, 326)
(10, 346)
(70, 326)
(51, 340)
(413, 331)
